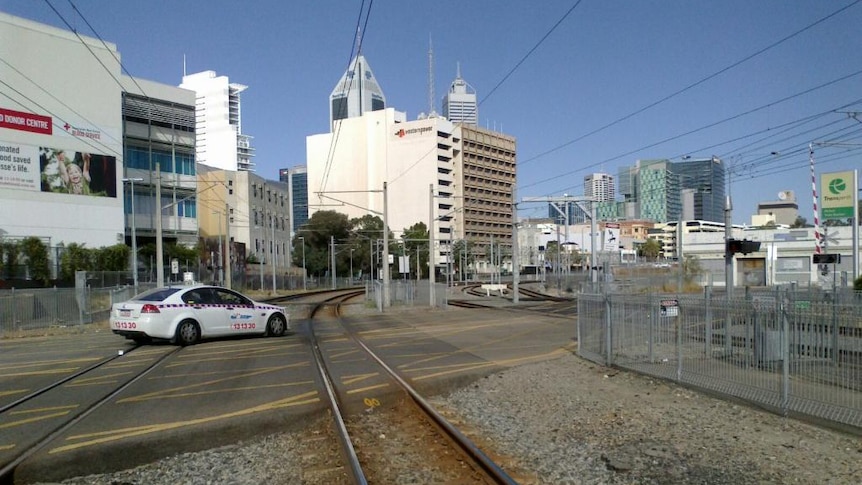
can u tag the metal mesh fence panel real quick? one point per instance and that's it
(783, 350)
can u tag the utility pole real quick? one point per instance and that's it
(274, 247)
(387, 298)
(332, 260)
(227, 269)
(431, 265)
(160, 255)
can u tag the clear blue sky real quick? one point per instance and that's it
(602, 65)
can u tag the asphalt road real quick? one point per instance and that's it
(225, 391)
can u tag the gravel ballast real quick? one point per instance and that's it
(569, 421)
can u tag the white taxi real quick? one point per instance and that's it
(184, 315)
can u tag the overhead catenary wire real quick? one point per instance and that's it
(693, 85)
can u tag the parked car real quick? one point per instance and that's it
(186, 314)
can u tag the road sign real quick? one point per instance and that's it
(669, 308)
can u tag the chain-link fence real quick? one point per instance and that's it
(780, 349)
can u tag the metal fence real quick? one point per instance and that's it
(781, 350)
(30, 309)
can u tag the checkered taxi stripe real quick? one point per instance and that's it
(213, 305)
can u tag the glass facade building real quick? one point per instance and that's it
(296, 179)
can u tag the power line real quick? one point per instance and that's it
(690, 86)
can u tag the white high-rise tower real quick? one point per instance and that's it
(220, 142)
(356, 93)
(600, 186)
(459, 104)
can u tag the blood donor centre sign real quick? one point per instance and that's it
(46, 169)
(838, 191)
(18, 120)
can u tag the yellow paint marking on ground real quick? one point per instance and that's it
(87, 380)
(13, 392)
(238, 351)
(345, 352)
(214, 391)
(114, 435)
(426, 335)
(42, 410)
(47, 372)
(166, 392)
(100, 383)
(347, 380)
(21, 422)
(48, 362)
(198, 374)
(127, 365)
(369, 388)
(6, 447)
(470, 349)
(214, 359)
(503, 363)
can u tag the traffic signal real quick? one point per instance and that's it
(827, 259)
(743, 246)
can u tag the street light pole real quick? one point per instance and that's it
(304, 284)
(351, 265)
(134, 233)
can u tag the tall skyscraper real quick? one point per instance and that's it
(296, 179)
(218, 120)
(459, 103)
(600, 186)
(356, 93)
(706, 178)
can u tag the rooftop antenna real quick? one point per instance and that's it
(430, 78)
(184, 65)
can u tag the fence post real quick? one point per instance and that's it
(56, 306)
(708, 301)
(785, 357)
(654, 316)
(751, 329)
(14, 311)
(608, 346)
(679, 320)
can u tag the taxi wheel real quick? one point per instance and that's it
(188, 333)
(276, 326)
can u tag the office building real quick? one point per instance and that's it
(784, 211)
(61, 137)
(705, 179)
(251, 211)
(220, 142)
(356, 93)
(485, 178)
(599, 187)
(296, 179)
(159, 134)
(566, 212)
(347, 175)
(663, 190)
(459, 103)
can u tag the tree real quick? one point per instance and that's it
(75, 257)
(463, 254)
(415, 239)
(650, 249)
(10, 257)
(317, 233)
(36, 253)
(111, 258)
(799, 222)
(691, 267)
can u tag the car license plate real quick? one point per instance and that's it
(125, 313)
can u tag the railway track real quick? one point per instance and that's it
(418, 428)
(20, 413)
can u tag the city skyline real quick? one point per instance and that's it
(583, 86)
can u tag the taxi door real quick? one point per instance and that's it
(239, 312)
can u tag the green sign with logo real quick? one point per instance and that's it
(838, 194)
